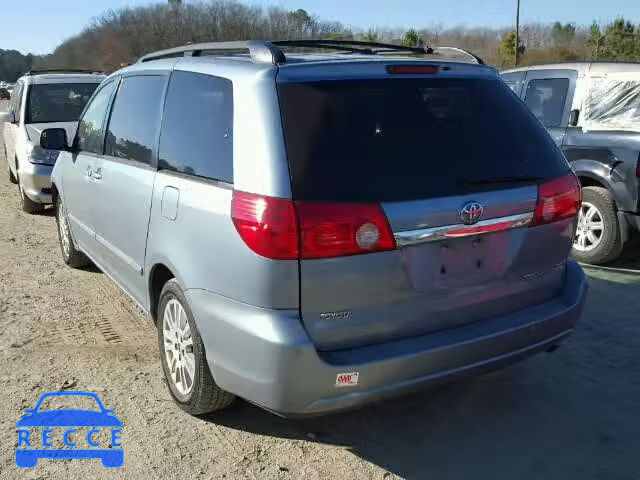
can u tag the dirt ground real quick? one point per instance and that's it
(573, 414)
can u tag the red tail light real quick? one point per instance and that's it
(337, 229)
(557, 199)
(270, 227)
(267, 225)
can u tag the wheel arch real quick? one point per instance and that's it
(159, 274)
(54, 192)
(594, 174)
(589, 180)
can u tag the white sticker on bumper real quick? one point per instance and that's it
(348, 379)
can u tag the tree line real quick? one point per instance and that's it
(13, 64)
(121, 36)
(616, 41)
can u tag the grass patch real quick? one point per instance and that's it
(612, 275)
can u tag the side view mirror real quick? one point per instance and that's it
(54, 139)
(574, 116)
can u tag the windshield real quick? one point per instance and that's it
(58, 102)
(407, 139)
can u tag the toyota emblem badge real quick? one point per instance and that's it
(471, 213)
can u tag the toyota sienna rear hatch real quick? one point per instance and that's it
(423, 202)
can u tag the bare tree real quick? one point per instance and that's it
(123, 35)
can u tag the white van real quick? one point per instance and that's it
(41, 99)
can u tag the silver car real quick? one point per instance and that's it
(312, 232)
(42, 99)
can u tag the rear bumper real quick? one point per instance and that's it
(266, 356)
(36, 181)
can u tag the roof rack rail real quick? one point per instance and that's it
(373, 48)
(355, 46)
(61, 70)
(331, 46)
(259, 51)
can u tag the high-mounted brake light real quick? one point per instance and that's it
(283, 230)
(558, 199)
(412, 69)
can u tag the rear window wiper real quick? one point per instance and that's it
(505, 179)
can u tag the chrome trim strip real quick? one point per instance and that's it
(434, 234)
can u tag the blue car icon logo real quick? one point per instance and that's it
(45, 421)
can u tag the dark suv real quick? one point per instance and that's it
(592, 111)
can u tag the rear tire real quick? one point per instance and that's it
(200, 394)
(609, 246)
(71, 256)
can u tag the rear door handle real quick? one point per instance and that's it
(97, 173)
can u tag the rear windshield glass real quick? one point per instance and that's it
(58, 102)
(405, 139)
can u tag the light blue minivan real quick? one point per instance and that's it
(316, 231)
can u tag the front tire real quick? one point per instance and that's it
(71, 256)
(12, 177)
(598, 240)
(183, 356)
(28, 205)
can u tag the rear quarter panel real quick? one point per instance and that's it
(191, 232)
(610, 158)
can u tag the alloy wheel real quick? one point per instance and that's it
(178, 346)
(590, 229)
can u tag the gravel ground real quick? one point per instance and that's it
(573, 414)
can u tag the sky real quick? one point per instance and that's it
(38, 26)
